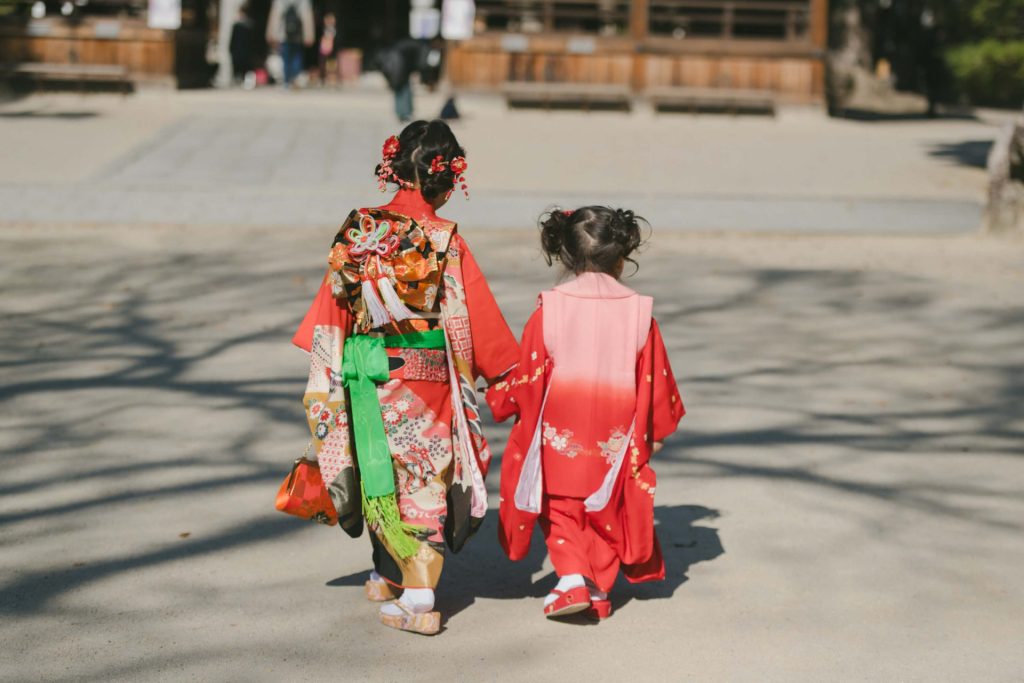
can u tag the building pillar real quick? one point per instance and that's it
(639, 27)
(227, 12)
(819, 38)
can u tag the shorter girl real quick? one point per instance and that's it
(595, 397)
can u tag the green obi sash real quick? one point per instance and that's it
(364, 364)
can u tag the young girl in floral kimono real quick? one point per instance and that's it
(595, 397)
(402, 327)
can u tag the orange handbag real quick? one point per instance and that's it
(303, 493)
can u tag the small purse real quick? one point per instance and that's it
(303, 493)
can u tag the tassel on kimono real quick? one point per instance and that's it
(374, 306)
(382, 513)
(393, 302)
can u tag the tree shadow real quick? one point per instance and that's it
(813, 354)
(973, 153)
(874, 116)
(59, 115)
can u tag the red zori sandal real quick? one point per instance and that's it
(599, 609)
(568, 602)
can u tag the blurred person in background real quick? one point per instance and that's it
(400, 61)
(243, 48)
(328, 49)
(290, 30)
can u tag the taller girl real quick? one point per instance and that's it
(402, 327)
(595, 397)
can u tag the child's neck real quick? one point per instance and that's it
(591, 273)
(411, 203)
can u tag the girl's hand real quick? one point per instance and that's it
(657, 446)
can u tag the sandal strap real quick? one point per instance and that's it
(400, 605)
(405, 608)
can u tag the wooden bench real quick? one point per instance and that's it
(80, 75)
(727, 100)
(587, 96)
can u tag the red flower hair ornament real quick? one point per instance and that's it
(385, 172)
(457, 166)
(390, 147)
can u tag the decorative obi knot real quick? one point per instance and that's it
(386, 267)
(371, 237)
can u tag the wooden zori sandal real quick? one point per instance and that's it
(568, 602)
(380, 591)
(599, 609)
(427, 623)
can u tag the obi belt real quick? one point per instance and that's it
(366, 362)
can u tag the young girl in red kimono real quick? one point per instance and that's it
(402, 327)
(595, 397)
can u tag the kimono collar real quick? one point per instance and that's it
(595, 286)
(410, 202)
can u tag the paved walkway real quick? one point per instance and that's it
(843, 502)
(301, 160)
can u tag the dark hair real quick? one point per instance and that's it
(418, 144)
(592, 238)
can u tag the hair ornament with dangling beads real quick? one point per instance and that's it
(385, 172)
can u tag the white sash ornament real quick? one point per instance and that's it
(371, 237)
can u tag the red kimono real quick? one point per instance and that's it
(593, 391)
(427, 398)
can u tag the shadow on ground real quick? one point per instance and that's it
(873, 116)
(201, 334)
(972, 153)
(481, 569)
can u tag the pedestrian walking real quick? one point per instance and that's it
(398, 63)
(290, 31)
(595, 397)
(402, 327)
(242, 47)
(327, 50)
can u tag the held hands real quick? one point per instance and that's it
(657, 446)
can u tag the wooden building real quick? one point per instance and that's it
(111, 35)
(776, 46)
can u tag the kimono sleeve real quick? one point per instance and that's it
(509, 396)
(666, 403)
(494, 346)
(323, 311)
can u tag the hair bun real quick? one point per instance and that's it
(553, 229)
(419, 144)
(590, 238)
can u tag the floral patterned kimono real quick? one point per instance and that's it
(402, 327)
(593, 391)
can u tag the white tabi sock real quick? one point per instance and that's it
(565, 583)
(597, 595)
(417, 600)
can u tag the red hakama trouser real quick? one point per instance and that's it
(574, 546)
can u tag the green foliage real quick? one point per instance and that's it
(990, 72)
(1002, 19)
